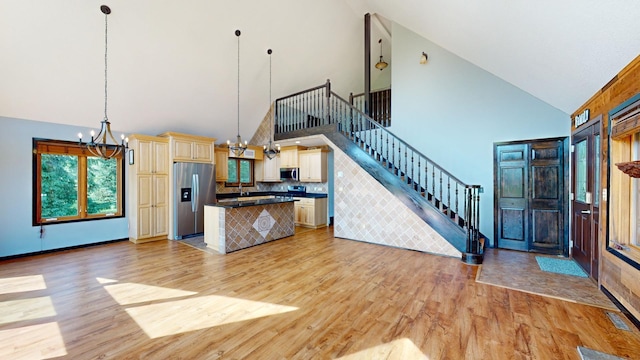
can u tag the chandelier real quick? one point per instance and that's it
(238, 147)
(381, 63)
(270, 151)
(100, 145)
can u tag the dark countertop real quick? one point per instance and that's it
(238, 204)
(269, 193)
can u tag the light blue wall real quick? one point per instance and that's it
(453, 112)
(17, 235)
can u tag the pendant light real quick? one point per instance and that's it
(100, 145)
(270, 151)
(238, 147)
(381, 63)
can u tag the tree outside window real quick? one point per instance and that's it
(240, 172)
(70, 184)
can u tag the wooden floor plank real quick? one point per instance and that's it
(310, 296)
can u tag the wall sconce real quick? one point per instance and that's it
(423, 58)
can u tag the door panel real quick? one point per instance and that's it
(546, 229)
(586, 197)
(511, 203)
(547, 203)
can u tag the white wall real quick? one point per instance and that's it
(17, 234)
(453, 112)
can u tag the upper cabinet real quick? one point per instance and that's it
(151, 154)
(289, 156)
(270, 169)
(313, 165)
(222, 168)
(190, 148)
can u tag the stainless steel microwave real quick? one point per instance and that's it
(289, 174)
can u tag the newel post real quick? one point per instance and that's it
(473, 254)
(328, 96)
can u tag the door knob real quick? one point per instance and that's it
(585, 212)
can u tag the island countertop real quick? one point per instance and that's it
(244, 203)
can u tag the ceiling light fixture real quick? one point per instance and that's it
(270, 151)
(423, 58)
(381, 63)
(99, 145)
(238, 147)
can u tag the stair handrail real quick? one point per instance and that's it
(373, 123)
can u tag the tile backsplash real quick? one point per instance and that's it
(317, 188)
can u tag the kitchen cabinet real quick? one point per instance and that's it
(148, 188)
(289, 156)
(310, 212)
(271, 169)
(222, 167)
(313, 165)
(190, 148)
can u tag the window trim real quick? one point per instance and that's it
(252, 167)
(72, 148)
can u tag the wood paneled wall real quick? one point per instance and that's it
(614, 272)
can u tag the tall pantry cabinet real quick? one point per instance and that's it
(148, 186)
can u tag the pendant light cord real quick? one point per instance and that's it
(105, 66)
(238, 35)
(270, 108)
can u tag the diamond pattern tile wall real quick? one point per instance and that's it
(274, 221)
(365, 210)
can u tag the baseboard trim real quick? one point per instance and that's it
(623, 309)
(61, 249)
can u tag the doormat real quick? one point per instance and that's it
(560, 266)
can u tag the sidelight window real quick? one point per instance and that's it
(69, 184)
(624, 184)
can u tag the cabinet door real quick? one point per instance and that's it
(145, 206)
(304, 160)
(271, 169)
(144, 157)
(289, 158)
(202, 151)
(222, 170)
(160, 158)
(161, 204)
(182, 150)
(298, 209)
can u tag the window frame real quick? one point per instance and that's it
(252, 175)
(61, 147)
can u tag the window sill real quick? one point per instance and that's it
(628, 254)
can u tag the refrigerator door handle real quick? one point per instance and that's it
(195, 190)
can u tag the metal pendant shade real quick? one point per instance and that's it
(104, 144)
(238, 147)
(381, 63)
(271, 151)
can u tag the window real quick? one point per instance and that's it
(240, 172)
(69, 184)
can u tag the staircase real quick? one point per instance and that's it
(445, 203)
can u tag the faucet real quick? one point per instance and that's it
(240, 187)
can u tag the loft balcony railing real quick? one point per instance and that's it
(379, 105)
(319, 106)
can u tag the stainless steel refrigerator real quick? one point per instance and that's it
(194, 185)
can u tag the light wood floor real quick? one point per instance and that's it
(310, 296)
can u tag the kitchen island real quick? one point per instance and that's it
(235, 225)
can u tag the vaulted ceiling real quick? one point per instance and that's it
(173, 65)
(559, 51)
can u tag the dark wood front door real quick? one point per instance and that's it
(586, 197)
(530, 196)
